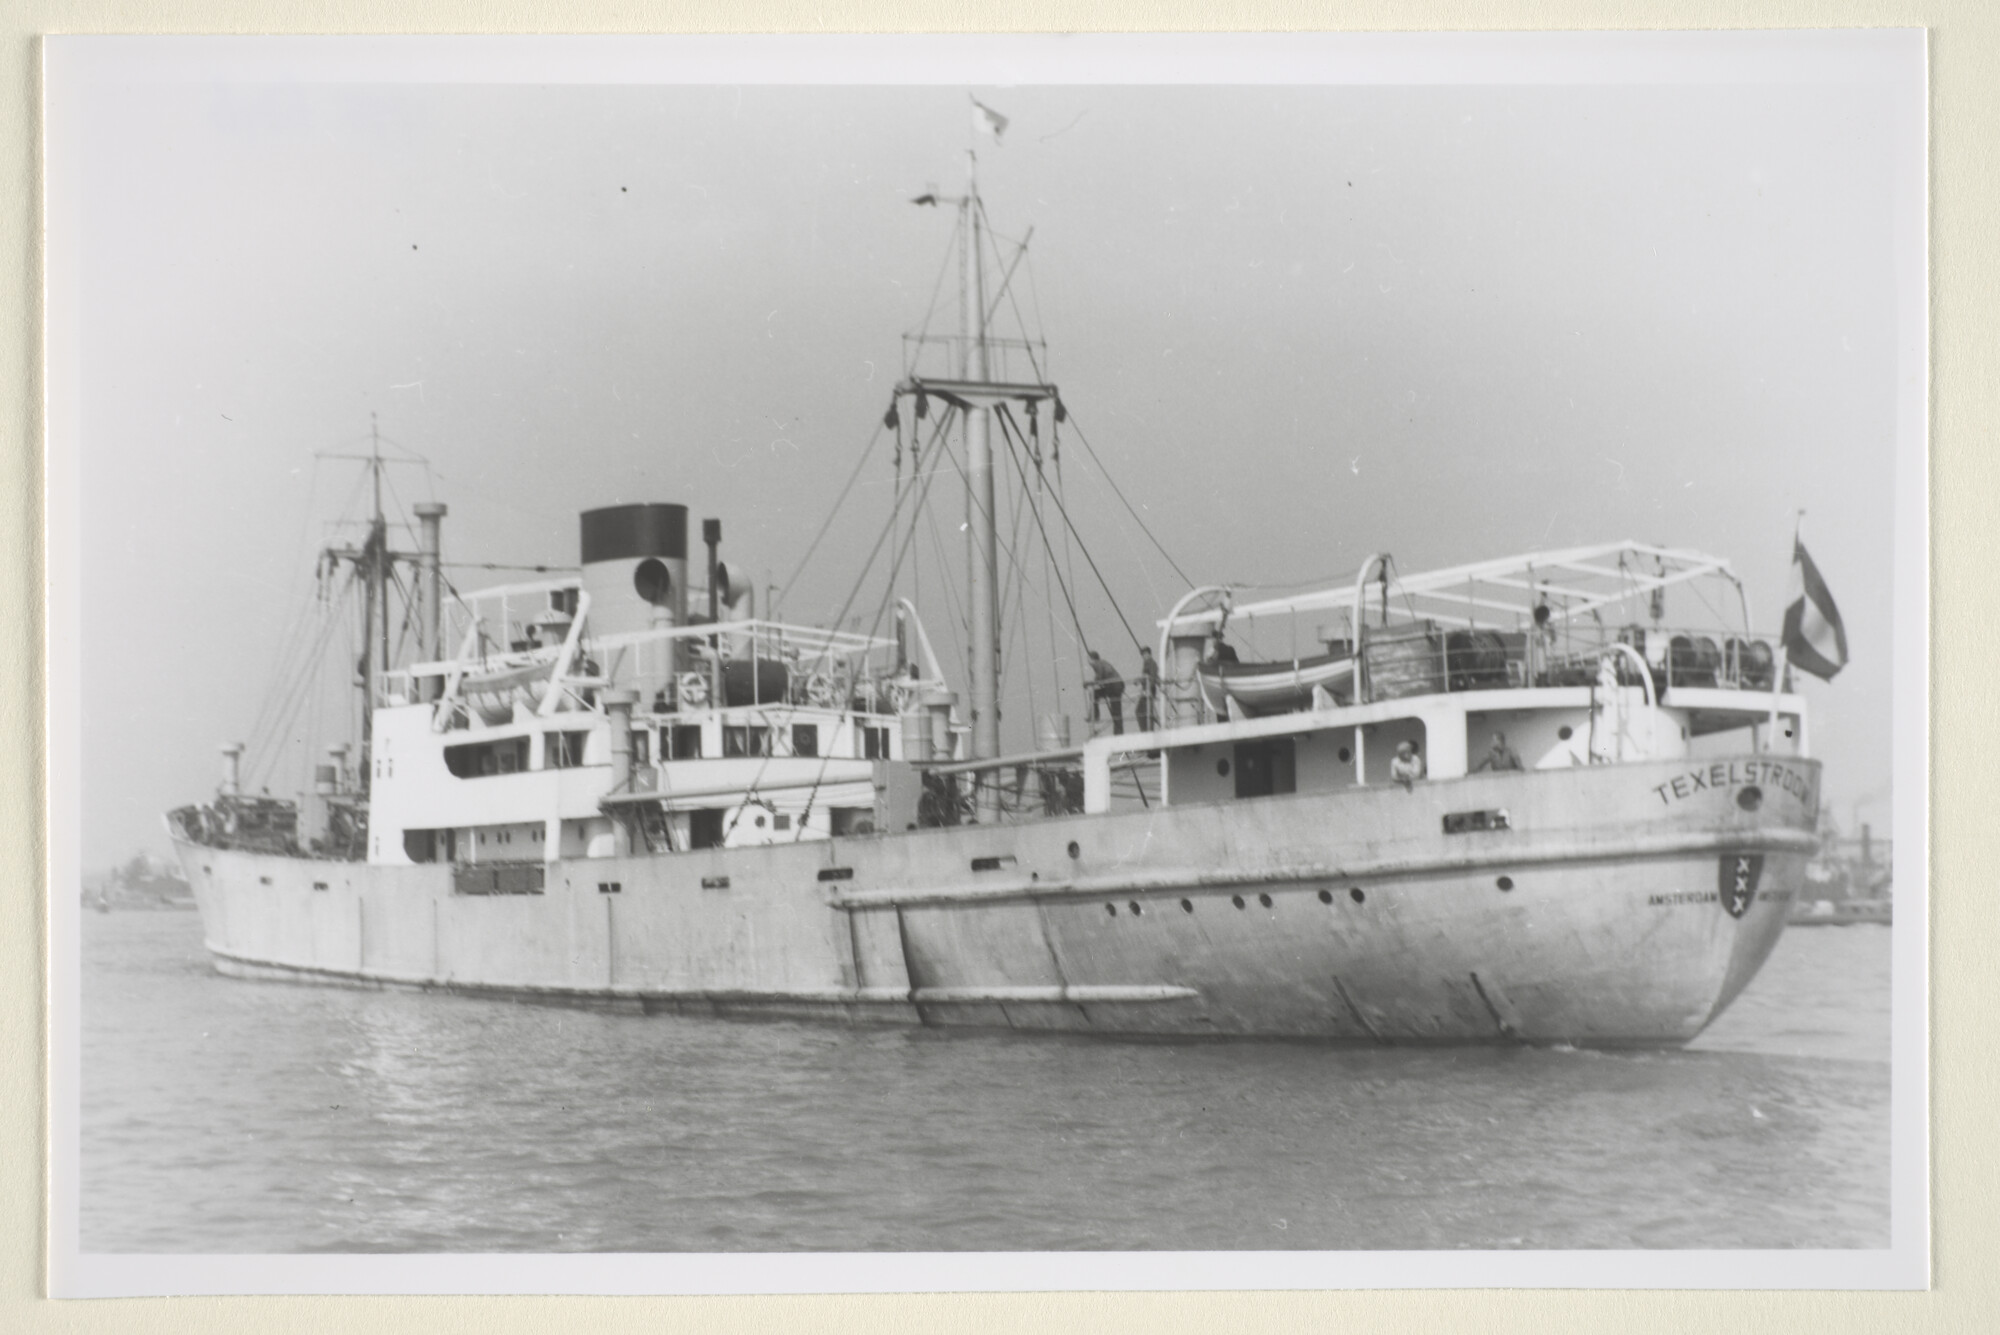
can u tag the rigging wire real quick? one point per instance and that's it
(1117, 491)
(1035, 363)
(860, 581)
(833, 512)
(1055, 440)
(299, 685)
(1049, 606)
(1061, 491)
(300, 673)
(966, 619)
(1019, 622)
(1068, 600)
(317, 732)
(1061, 509)
(296, 634)
(303, 638)
(392, 580)
(937, 288)
(958, 620)
(904, 542)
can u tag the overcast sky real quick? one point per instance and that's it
(1297, 324)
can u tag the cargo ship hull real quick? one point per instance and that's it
(1605, 906)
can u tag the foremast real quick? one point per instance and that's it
(979, 387)
(374, 564)
(984, 575)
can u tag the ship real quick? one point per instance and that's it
(1564, 797)
(141, 882)
(1847, 883)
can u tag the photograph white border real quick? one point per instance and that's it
(75, 65)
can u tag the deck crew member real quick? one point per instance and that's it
(1107, 688)
(1149, 689)
(1500, 757)
(1408, 766)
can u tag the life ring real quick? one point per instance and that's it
(902, 694)
(692, 689)
(820, 692)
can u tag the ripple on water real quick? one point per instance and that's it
(229, 1116)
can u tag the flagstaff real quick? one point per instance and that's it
(984, 563)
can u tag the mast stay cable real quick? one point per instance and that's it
(1008, 428)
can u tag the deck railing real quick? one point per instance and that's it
(1424, 658)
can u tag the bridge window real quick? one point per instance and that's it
(805, 739)
(684, 741)
(874, 743)
(744, 741)
(478, 759)
(563, 750)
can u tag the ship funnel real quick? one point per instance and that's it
(635, 571)
(635, 566)
(232, 769)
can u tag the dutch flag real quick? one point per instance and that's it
(985, 120)
(1815, 640)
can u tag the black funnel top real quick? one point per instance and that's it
(621, 532)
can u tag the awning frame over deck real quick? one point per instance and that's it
(1501, 594)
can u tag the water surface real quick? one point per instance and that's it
(229, 1116)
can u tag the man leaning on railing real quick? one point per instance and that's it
(1107, 689)
(1407, 767)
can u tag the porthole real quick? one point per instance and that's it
(1237, 900)
(1074, 851)
(1222, 768)
(1326, 896)
(1187, 906)
(1356, 895)
(1505, 883)
(1111, 910)
(1265, 900)
(1346, 754)
(1750, 798)
(1134, 906)
(760, 822)
(1565, 732)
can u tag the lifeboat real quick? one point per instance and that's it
(494, 693)
(1276, 686)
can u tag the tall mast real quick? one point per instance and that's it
(984, 575)
(375, 569)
